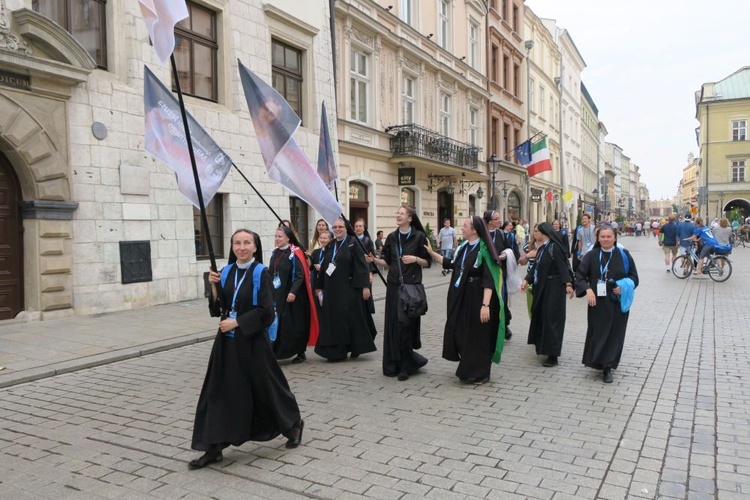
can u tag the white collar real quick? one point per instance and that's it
(246, 264)
(283, 248)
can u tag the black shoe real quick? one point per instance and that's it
(550, 361)
(482, 381)
(508, 333)
(207, 458)
(403, 375)
(608, 376)
(301, 358)
(354, 356)
(295, 440)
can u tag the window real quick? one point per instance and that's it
(444, 23)
(738, 171)
(531, 94)
(493, 134)
(506, 138)
(445, 115)
(407, 98)
(215, 217)
(541, 102)
(515, 18)
(406, 12)
(473, 122)
(286, 73)
(493, 64)
(359, 82)
(195, 53)
(473, 45)
(86, 21)
(408, 197)
(504, 13)
(506, 72)
(739, 130)
(516, 79)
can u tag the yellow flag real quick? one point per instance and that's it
(567, 197)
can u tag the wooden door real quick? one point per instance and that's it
(11, 244)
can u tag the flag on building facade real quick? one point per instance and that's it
(550, 195)
(535, 157)
(275, 123)
(567, 197)
(165, 139)
(326, 163)
(161, 16)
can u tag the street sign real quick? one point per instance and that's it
(536, 197)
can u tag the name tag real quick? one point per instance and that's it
(331, 269)
(601, 289)
(458, 280)
(276, 281)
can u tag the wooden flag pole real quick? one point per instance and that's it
(196, 177)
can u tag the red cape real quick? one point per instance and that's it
(314, 327)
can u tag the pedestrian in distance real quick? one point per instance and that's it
(601, 279)
(563, 234)
(446, 240)
(552, 280)
(346, 325)
(245, 396)
(668, 241)
(474, 331)
(405, 255)
(723, 231)
(685, 230)
(584, 239)
(292, 295)
(703, 235)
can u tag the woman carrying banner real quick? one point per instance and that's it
(474, 331)
(292, 295)
(600, 278)
(552, 279)
(245, 396)
(405, 255)
(344, 283)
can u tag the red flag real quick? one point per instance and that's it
(550, 195)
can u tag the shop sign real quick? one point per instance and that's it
(15, 80)
(406, 176)
(536, 198)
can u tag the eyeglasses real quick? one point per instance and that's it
(339, 227)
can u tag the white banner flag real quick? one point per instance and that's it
(160, 17)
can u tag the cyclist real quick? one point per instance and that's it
(685, 229)
(703, 234)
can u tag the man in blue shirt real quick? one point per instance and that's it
(685, 230)
(668, 241)
(704, 234)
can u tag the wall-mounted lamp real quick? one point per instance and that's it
(480, 193)
(462, 58)
(430, 35)
(464, 186)
(389, 8)
(434, 181)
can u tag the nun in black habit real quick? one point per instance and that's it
(473, 326)
(605, 336)
(361, 232)
(245, 396)
(344, 280)
(552, 279)
(501, 242)
(403, 253)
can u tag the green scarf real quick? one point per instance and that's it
(485, 257)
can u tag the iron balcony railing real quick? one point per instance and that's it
(413, 140)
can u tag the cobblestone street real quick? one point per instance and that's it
(674, 424)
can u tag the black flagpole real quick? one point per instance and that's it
(257, 192)
(361, 245)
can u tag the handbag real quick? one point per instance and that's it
(412, 298)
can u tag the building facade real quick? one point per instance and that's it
(590, 127)
(723, 113)
(412, 108)
(101, 225)
(688, 188)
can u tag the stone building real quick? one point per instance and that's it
(412, 108)
(723, 110)
(91, 222)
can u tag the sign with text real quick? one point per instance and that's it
(15, 80)
(406, 176)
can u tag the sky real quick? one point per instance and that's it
(645, 59)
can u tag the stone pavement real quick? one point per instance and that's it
(674, 424)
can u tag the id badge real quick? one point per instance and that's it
(276, 281)
(601, 289)
(331, 269)
(231, 315)
(458, 280)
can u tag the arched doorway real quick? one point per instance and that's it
(11, 243)
(742, 205)
(514, 207)
(358, 201)
(445, 208)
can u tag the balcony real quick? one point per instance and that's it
(420, 142)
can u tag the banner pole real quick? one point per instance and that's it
(196, 177)
(257, 192)
(362, 246)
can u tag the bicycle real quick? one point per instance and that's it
(738, 238)
(718, 267)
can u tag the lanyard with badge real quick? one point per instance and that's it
(332, 265)
(233, 310)
(469, 248)
(539, 261)
(276, 278)
(601, 285)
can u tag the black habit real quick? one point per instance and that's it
(400, 339)
(316, 258)
(245, 396)
(607, 323)
(552, 271)
(294, 317)
(501, 242)
(466, 339)
(344, 325)
(372, 268)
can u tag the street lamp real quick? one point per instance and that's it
(596, 203)
(494, 163)
(480, 193)
(528, 45)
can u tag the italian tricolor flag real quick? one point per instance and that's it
(539, 158)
